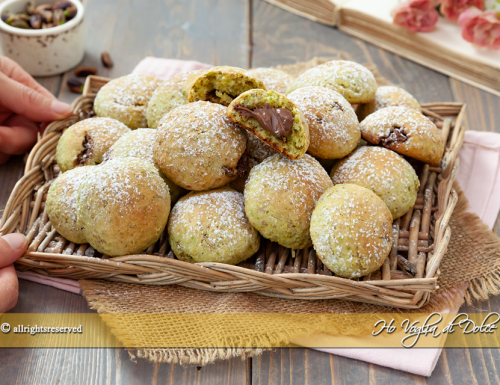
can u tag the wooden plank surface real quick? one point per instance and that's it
(280, 37)
(219, 32)
(209, 31)
(204, 30)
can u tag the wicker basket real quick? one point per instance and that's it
(406, 280)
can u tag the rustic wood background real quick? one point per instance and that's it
(243, 33)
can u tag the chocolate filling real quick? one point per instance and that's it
(397, 135)
(241, 168)
(88, 147)
(277, 121)
(337, 106)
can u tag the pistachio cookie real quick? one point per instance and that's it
(280, 196)
(388, 96)
(169, 95)
(126, 99)
(85, 142)
(197, 147)
(258, 149)
(351, 230)
(352, 80)
(272, 118)
(61, 203)
(222, 85)
(333, 125)
(123, 206)
(273, 79)
(139, 144)
(211, 226)
(405, 131)
(384, 172)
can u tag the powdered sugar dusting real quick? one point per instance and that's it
(134, 90)
(137, 144)
(348, 78)
(333, 124)
(363, 165)
(169, 95)
(381, 123)
(216, 219)
(258, 149)
(383, 171)
(126, 98)
(121, 182)
(273, 79)
(387, 96)
(62, 199)
(351, 230)
(280, 195)
(198, 141)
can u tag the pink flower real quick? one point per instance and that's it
(452, 9)
(416, 15)
(481, 28)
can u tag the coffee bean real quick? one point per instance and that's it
(85, 71)
(75, 85)
(106, 60)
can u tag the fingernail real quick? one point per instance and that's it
(61, 108)
(16, 240)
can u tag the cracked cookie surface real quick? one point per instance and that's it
(406, 132)
(86, 142)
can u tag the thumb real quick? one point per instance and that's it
(12, 246)
(29, 103)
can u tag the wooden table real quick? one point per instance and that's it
(243, 33)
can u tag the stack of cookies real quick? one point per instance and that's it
(224, 156)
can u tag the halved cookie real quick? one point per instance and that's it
(222, 85)
(274, 119)
(405, 131)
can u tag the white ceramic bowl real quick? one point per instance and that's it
(43, 52)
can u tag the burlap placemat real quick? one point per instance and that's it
(472, 264)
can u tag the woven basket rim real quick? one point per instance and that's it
(217, 276)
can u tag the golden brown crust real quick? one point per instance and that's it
(86, 142)
(405, 131)
(333, 125)
(198, 147)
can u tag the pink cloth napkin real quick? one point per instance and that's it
(479, 177)
(479, 174)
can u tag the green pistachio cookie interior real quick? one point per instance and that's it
(273, 118)
(222, 85)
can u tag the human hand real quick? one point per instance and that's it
(12, 246)
(23, 104)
